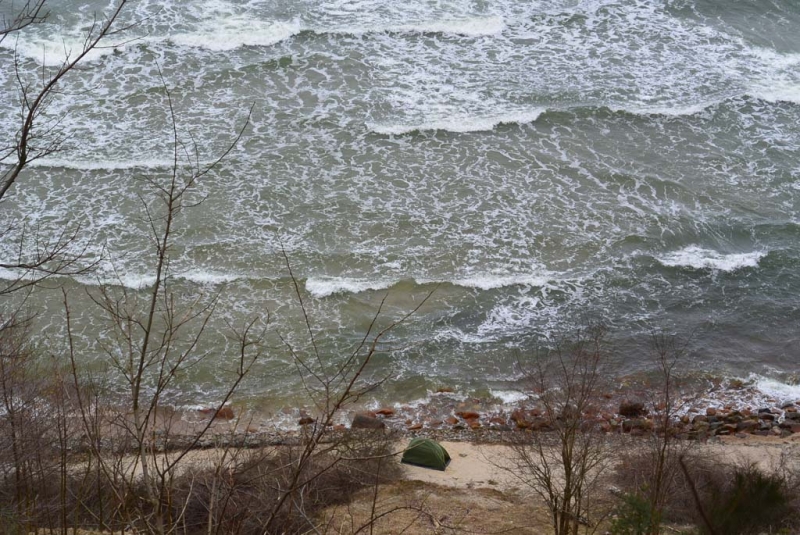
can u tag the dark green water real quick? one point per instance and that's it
(538, 163)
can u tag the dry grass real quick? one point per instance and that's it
(416, 508)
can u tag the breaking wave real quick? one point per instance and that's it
(467, 27)
(324, 287)
(698, 258)
(459, 124)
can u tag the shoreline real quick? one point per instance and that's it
(722, 407)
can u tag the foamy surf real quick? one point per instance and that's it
(509, 397)
(459, 123)
(55, 51)
(136, 281)
(581, 188)
(773, 388)
(112, 165)
(230, 33)
(677, 110)
(492, 282)
(698, 258)
(782, 91)
(466, 27)
(327, 286)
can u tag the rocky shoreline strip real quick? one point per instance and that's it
(719, 408)
(630, 417)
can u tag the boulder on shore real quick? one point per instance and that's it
(366, 421)
(224, 413)
(631, 409)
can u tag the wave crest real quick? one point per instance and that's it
(327, 286)
(492, 282)
(467, 27)
(234, 32)
(698, 258)
(459, 124)
(111, 165)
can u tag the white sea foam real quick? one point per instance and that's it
(509, 397)
(699, 258)
(110, 165)
(236, 31)
(326, 286)
(780, 83)
(666, 110)
(459, 124)
(491, 282)
(138, 281)
(16, 274)
(230, 31)
(779, 91)
(127, 280)
(468, 27)
(55, 51)
(776, 389)
(774, 58)
(207, 277)
(471, 27)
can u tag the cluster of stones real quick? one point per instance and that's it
(764, 421)
(631, 418)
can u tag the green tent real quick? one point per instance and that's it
(426, 453)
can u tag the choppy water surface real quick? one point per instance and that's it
(542, 161)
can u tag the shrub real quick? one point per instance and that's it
(241, 497)
(750, 502)
(635, 516)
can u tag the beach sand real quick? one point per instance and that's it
(474, 495)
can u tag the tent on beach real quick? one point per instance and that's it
(426, 453)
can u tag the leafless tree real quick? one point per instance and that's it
(127, 474)
(151, 341)
(563, 461)
(665, 449)
(38, 135)
(21, 15)
(331, 386)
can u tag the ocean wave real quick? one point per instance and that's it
(140, 282)
(327, 286)
(460, 124)
(492, 282)
(232, 32)
(111, 165)
(675, 110)
(318, 287)
(774, 388)
(781, 85)
(509, 397)
(775, 59)
(477, 123)
(54, 52)
(467, 27)
(779, 92)
(698, 258)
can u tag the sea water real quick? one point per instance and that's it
(536, 165)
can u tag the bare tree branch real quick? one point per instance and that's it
(29, 12)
